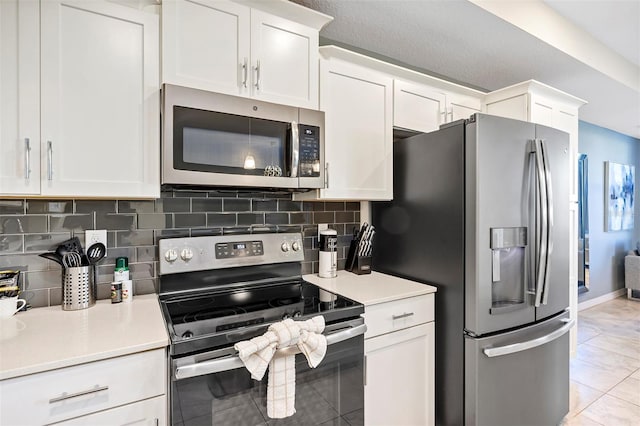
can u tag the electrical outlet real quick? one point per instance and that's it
(322, 227)
(92, 236)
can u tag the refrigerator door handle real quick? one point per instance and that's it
(548, 184)
(529, 344)
(541, 231)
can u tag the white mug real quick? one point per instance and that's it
(9, 306)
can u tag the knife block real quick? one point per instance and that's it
(362, 265)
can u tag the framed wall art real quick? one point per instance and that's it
(619, 196)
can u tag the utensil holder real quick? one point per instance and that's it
(362, 265)
(78, 289)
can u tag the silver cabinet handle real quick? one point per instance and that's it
(295, 149)
(405, 315)
(233, 362)
(65, 395)
(27, 158)
(523, 346)
(49, 160)
(245, 73)
(257, 75)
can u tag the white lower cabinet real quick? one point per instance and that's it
(399, 356)
(123, 390)
(150, 412)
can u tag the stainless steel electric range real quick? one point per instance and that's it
(218, 290)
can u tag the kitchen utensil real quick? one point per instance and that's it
(70, 245)
(50, 255)
(95, 253)
(72, 259)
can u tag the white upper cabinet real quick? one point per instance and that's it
(100, 100)
(19, 97)
(205, 44)
(424, 108)
(358, 133)
(244, 48)
(460, 107)
(79, 86)
(417, 107)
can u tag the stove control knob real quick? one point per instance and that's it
(295, 246)
(297, 314)
(186, 254)
(171, 255)
(286, 316)
(284, 247)
(187, 334)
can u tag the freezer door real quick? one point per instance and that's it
(520, 377)
(553, 291)
(499, 175)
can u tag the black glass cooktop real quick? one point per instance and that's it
(240, 313)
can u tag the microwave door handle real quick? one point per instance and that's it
(295, 149)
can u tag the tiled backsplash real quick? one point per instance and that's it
(32, 226)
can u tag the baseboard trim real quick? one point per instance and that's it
(601, 299)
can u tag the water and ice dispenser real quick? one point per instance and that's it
(508, 269)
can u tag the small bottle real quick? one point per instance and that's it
(127, 291)
(121, 271)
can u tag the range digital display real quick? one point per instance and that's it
(239, 246)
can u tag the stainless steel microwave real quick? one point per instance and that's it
(211, 139)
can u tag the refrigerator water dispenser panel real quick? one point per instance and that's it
(508, 269)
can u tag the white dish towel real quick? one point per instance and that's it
(258, 353)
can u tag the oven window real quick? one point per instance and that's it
(333, 392)
(226, 143)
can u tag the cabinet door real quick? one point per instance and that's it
(417, 107)
(100, 100)
(399, 386)
(541, 111)
(516, 107)
(19, 97)
(284, 61)
(205, 45)
(151, 412)
(358, 132)
(462, 107)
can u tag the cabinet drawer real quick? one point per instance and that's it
(150, 412)
(69, 392)
(391, 316)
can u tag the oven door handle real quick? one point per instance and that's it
(233, 362)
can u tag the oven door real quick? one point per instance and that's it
(216, 389)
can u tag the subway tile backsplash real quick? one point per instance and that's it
(32, 226)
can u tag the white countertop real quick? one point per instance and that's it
(48, 338)
(370, 289)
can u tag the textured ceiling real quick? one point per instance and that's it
(463, 42)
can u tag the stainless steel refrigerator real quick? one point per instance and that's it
(481, 211)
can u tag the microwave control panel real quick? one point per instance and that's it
(309, 151)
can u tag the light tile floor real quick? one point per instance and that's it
(605, 374)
